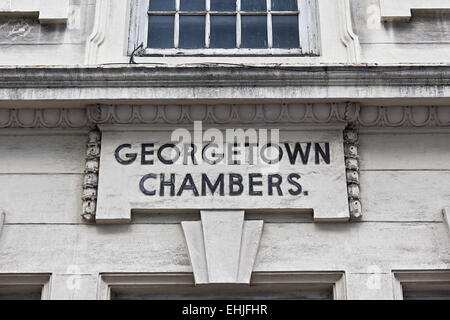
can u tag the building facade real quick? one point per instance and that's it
(266, 149)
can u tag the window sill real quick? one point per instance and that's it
(227, 52)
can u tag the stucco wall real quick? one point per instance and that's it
(351, 31)
(405, 184)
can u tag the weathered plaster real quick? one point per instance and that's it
(401, 84)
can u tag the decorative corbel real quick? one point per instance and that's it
(90, 184)
(222, 246)
(351, 144)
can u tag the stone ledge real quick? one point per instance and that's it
(401, 10)
(220, 84)
(49, 11)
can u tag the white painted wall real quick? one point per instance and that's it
(351, 31)
(404, 189)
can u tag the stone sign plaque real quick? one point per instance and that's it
(149, 170)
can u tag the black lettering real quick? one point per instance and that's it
(304, 155)
(219, 157)
(218, 184)
(188, 184)
(164, 183)
(271, 161)
(166, 146)
(276, 184)
(252, 183)
(233, 152)
(131, 157)
(142, 184)
(251, 147)
(291, 180)
(233, 182)
(145, 153)
(325, 154)
(190, 149)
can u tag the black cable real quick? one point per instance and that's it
(141, 46)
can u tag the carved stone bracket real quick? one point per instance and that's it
(351, 143)
(90, 184)
(222, 246)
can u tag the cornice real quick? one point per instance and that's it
(229, 114)
(211, 84)
(217, 76)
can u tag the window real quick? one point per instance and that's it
(422, 285)
(224, 27)
(291, 286)
(24, 286)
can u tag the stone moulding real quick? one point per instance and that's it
(283, 114)
(401, 10)
(348, 36)
(222, 114)
(90, 185)
(43, 118)
(97, 36)
(351, 144)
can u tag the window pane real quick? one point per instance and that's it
(162, 5)
(285, 32)
(223, 32)
(20, 293)
(192, 32)
(192, 5)
(212, 292)
(284, 5)
(253, 5)
(254, 31)
(223, 5)
(160, 31)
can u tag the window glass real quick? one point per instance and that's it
(217, 24)
(162, 5)
(223, 32)
(427, 291)
(253, 5)
(160, 31)
(20, 292)
(285, 31)
(233, 292)
(192, 32)
(254, 31)
(223, 5)
(192, 5)
(284, 5)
